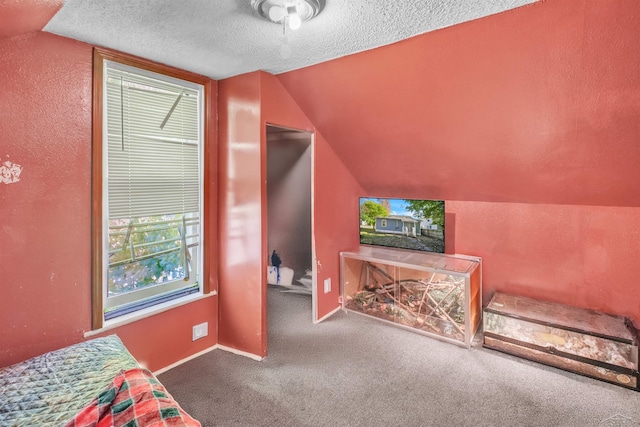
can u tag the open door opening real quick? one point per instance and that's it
(290, 212)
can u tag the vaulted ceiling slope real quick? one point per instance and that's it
(19, 17)
(540, 104)
(223, 38)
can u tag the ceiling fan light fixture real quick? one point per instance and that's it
(294, 22)
(277, 13)
(289, 13)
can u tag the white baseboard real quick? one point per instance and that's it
(186, 359)
(240, 352)
(205, 351)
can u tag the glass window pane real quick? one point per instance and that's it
(153, 190)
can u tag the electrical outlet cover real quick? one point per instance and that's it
(200, 331)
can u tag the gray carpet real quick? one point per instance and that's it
(354, 371)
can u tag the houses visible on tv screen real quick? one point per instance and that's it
(402, 224)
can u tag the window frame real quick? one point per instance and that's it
(97, 216)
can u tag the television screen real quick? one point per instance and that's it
(402, 223)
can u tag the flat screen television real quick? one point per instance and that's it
(402, 223)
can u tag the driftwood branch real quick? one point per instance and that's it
(407, 309)
(435, 307)
(453, 322)
(412, 300)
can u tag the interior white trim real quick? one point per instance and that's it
(314, 266)
(240, 352)
(148, 312)
(186, 359)
(207, 350)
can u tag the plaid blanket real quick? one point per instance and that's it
(135, 398)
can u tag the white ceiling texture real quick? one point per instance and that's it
(223, 38)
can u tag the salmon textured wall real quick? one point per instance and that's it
(580, 255)
(247, 103)
(540, 104)
(19, 17)
(337, 220)
(335, 188)
(45, 105)
(538, 107)
(242, 262)
(45, 231)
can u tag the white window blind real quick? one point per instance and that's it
(153, 188)
(153, 153)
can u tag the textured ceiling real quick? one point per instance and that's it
(223, 38)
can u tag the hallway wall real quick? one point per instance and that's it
(289, 199)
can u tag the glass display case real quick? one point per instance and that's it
(586, 342)
(432, 294)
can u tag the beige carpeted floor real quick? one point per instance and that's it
(355, 371)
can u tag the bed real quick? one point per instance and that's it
(93, 383)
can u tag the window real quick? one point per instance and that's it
(149, 139)
(383, 222)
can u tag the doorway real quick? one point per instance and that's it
(290, 211)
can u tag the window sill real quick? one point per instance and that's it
(147, 312)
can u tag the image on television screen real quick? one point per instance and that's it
(402, 223)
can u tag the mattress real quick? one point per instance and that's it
(48, 390)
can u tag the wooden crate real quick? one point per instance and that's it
(598, 345)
